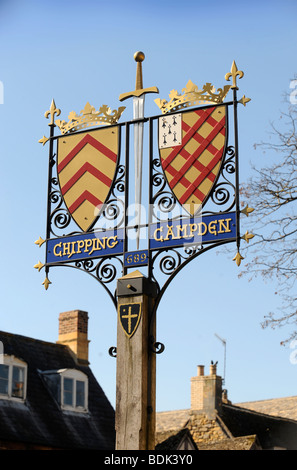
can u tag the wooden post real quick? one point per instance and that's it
(136, 364)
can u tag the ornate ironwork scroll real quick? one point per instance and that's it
(193, 190)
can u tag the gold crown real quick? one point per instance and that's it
(192, 96)
(89, 117)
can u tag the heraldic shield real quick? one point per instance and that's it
(86, 165)
(129, 317)
(192, 147)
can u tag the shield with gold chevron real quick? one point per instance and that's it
(86, 167)
(192, 147)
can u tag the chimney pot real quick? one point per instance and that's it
(213, 369)
(200, 371)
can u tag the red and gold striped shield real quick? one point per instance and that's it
(86, 166)
(192, 147)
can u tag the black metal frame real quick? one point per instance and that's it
(170, 261)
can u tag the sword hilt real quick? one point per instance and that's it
(139, 58)
(139, 90)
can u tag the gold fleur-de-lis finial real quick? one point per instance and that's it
(247, 210)
(46, 283)
(238, 258)
(39, 242)
(39, 265)
(234, 73)
(247, 236)
(52, 111)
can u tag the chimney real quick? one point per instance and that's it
(206, 390)
(73, 332)
(200, 371)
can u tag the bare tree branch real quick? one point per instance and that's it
(272, 191)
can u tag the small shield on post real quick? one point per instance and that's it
(129, 317)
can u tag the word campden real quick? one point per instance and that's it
(200, 229)
(208, 229)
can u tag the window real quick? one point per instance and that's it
(80, 393)
(13, 374)
(69, 387)
(74, 395)
(4, 379)
(68, 392)
(18, 380)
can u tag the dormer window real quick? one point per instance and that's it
(69, 387)
(13, 377)
(74, 393)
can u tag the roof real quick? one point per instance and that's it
(282, 407)
(172, 440)
(237, 443)
(39, 420)
(271, 431)
(171, 420)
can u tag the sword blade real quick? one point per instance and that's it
(138, 113)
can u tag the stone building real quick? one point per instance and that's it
(50, 399)
(214, 423)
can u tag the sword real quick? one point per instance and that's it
(138, 114)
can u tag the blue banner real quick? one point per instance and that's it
(136, 258)
(85, 246)
(169, 234)
(194, 230)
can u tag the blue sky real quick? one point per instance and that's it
(76, 52)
